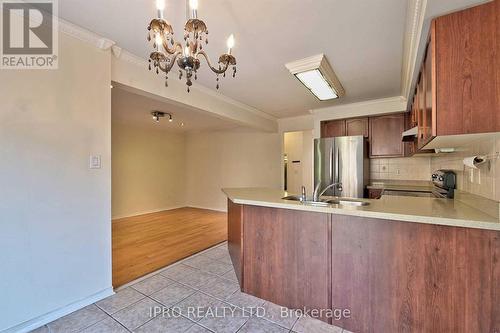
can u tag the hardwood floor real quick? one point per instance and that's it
(145, 243)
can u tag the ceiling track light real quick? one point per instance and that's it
(159, 114)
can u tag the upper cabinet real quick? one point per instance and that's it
(345, 127)
(385, 135)
(458, 90)
(333, 128)
(357, 126)
(382, 132)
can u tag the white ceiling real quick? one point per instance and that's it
(134, 108)
(363, 41)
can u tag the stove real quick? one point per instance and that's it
(444, 182)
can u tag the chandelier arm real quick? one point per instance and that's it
(215, 70)
(175, 48)
(171, 62)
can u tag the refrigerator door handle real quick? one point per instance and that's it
(331, 166)
(337, 171)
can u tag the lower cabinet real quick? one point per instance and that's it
(381, 275)
(286, 257)
(413, 277)
(374, 193)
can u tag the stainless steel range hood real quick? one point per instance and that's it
(410, 135)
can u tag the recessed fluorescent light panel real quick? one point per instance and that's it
(318, 76)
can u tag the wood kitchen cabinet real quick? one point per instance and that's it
(332, 128)
(393, 276)
(467, 70)
(426, 278)
(357, 126)
(385, 135)
(345, 127)
(286, 257)
(458, 91)
(375, 193)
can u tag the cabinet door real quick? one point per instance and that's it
(332, 128)
(286, 257)
(357, 126)
(429, 98)
(374, 193)
(421, 107)
(385, 135)
(409, 147)
(467, 71)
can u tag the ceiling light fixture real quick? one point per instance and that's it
(318, 76)
(159, 114)
(186, 54)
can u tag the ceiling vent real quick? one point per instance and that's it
(318, 76)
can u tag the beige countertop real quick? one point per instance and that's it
(409, 209)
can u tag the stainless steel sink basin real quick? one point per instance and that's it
(292, 197)
(306, 202)
(328, 202)
(347, 202)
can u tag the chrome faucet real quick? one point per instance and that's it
(317, 194)
(303, 197)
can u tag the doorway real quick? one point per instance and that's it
(297, 161)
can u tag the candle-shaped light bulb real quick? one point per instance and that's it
(186, 51)
(159, 41)
(193, 5)
(160, 6)
(230, 44)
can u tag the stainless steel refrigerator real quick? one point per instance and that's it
(342, 161)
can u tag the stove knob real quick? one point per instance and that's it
(434, 176)
(440, 178)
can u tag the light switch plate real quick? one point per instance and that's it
(95, 161)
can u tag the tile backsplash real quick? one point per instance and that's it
(407, 168)
(484, 181)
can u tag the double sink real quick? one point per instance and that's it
(328, 201)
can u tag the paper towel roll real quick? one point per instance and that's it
(473, 161)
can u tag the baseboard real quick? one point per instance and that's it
(146, 212)
(61, 312)
(208, 208)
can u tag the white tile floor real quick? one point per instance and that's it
(204, 281)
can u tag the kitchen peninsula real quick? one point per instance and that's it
(397, 264)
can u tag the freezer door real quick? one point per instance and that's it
(349, 166)
(323, 162)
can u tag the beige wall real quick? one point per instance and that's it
(229, 159)
(55, 252)
(148, 169)
(404, 168)
(484, 182)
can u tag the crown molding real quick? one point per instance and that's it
(84, 35)
(413, 32)
(374, 106)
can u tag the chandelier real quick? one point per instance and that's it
(167, 51)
